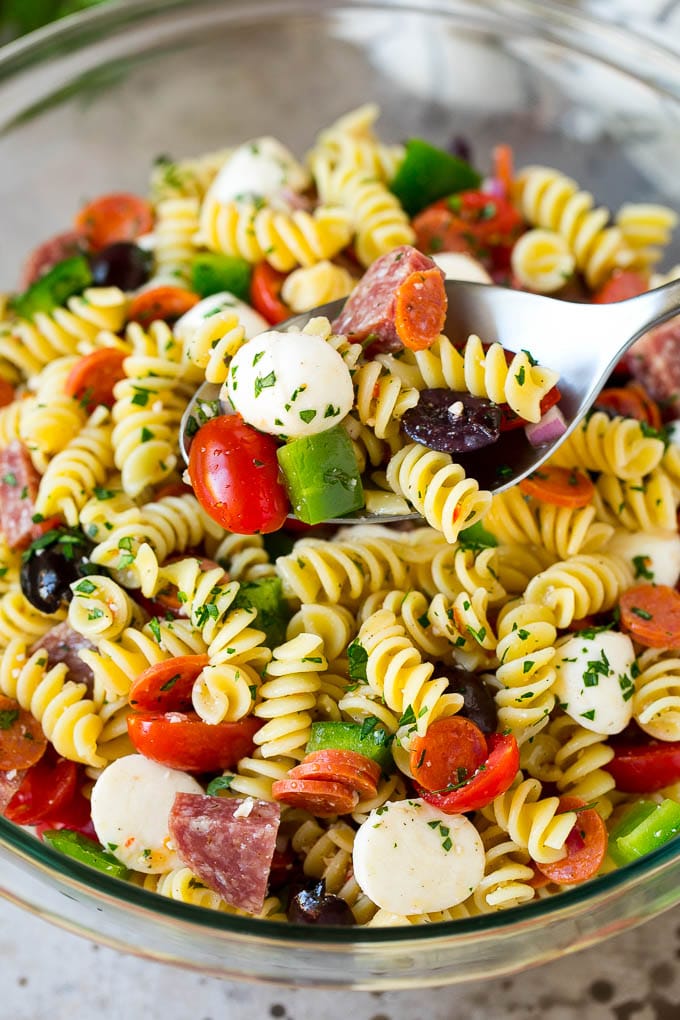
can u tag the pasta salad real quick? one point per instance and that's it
(208, 690)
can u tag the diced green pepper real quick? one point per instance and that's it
(85, 850)
(477, 537)
(212, 273)
(368, 738)
(643, 829)
(428, 173)
(321, 475)
(266, 595)
(64, 280)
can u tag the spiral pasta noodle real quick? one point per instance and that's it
(656, 702)
(617, 446)
(542, 261)
(526, 674)
(309, 287)
(533, 822)
(563, 531)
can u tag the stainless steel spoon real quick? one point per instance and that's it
(582, 342)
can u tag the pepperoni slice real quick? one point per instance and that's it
(317, 796)
(92, 378)
(22, 741)
(356, 770)
(586, 846)
(651, 613)
(420, 309)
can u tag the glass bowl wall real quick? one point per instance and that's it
(86, 106)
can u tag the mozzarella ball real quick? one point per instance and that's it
(130, 804)
(410, 858)
(223, 305)
(260, 168)
(456, 265)
(655, 553)
(594, 682)
(289, 384)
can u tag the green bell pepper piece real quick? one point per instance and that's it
(212, 273)
(265, 594)
(321, 475)
(85, 850)
(64, 280)
(643, 829)
(428, 173)
(369, 739)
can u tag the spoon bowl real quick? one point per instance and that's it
(581, 342)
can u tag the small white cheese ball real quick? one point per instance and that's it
(594, 683)
(223, 305)
(130, 804)
(289, 384)
(456, 265)
(410, 858)
(655, 553)
(260, 168)
(673, 432)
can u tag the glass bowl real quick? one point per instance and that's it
(87, 105)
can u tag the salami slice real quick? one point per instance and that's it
(370, 309)
(47, 255)
(655, 362)
(62, 644)
(9, 784)
(228, 844)
(18, 489)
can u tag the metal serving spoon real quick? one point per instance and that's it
(582, 342)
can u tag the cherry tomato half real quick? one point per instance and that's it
(235, 476)
(265, 293)
(166, 686)
(645, 767)
(115, 217)
(483, 225)
(181, 740)
(75, 815)
(93, 377)
(492, 777)
(47, 788)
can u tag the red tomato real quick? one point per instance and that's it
(622, 284)
(645, 767)
(22, 741)
(165, 302)
(50, 253)
(492, 778)
(483, 225)
(451, 750)
(265, 293)
(48, 787)
(181, 740)
(586, 846)
(166, 686)
(92, 378)
(75, 816)
(235, 476)
(116, 217)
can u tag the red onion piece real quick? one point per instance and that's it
(494, 187)
(551, 426)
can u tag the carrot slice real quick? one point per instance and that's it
(6, 393)
(319, 797)
(559, 486)
(586, 846)
(420, 309)
(166, 302)
(92, 378)
(166, 686)
(651, 614)
(503, 166)
(450, 752)
(22, 741)
(116, 217)
(339, 767)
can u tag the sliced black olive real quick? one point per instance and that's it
(122, 264)
(51, 564)
(314, 905)
(478, 701)
(452, 422)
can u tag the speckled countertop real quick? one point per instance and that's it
(636, 976)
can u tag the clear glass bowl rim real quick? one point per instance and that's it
(651, 63)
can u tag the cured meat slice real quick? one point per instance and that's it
(9, 784)
(655, 362)
(62, 644)
(228, 844)
(370, 309)
(47, 255)
(18, 489)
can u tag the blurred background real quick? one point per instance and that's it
(20, 16)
